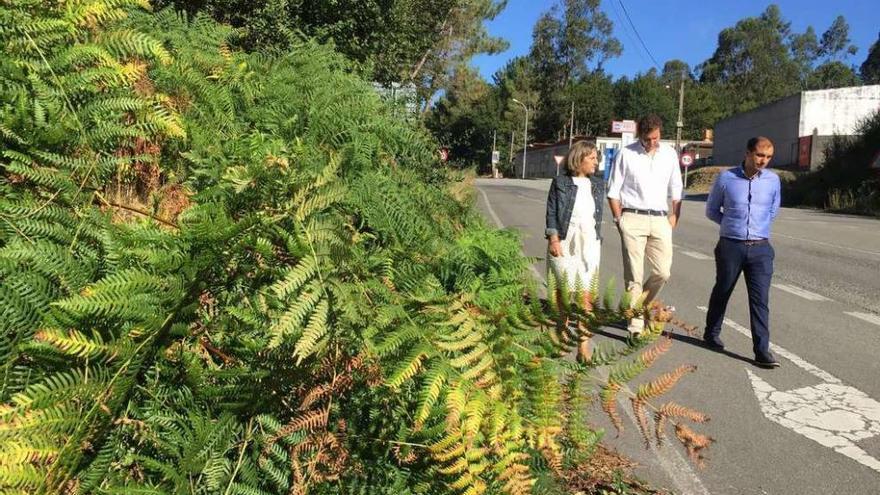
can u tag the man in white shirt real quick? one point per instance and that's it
(644, 177)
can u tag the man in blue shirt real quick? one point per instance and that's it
(744, 201)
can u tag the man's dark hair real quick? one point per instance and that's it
(753, 143)
(649, 123)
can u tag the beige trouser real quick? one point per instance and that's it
(648, 239)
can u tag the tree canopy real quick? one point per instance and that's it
(757, 60)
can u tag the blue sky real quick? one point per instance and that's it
(685, 29)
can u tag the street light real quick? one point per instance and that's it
(525, 135)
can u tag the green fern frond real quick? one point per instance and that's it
(315, 330)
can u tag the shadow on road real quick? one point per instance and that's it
(687, 339)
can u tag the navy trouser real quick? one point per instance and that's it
(756, 262)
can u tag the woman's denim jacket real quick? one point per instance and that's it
(560, 203)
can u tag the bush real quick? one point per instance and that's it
(701, 179)
(845, 182)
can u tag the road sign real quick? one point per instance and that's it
(559, 159)
(687, 159)
(628, 126)
(496, 157)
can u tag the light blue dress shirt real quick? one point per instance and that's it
(744, 207)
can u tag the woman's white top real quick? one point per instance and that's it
(581, 249)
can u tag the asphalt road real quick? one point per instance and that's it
(809, 427)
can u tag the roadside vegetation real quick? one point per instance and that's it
(230, 272)
(846, 183)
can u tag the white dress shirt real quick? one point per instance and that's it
(643, 181)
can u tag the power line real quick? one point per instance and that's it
(638, 35)
(627, 32)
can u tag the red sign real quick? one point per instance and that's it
(687, 160)
(623, 126)
(805, 145)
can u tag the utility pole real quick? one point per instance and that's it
(679, 123)
(510, 152)
(494, 135)
(525, 135)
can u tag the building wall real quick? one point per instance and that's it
(829, 112)
(820, 114)
(837, 111)
(779, 121)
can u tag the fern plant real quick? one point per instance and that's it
(238, 273)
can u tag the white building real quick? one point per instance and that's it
(800, 126)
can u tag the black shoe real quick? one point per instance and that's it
(767, 361)
(713, 343)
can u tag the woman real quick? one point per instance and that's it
(574, 218)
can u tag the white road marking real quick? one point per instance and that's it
(810, 296)
(674, 464)
(500, 225)
(697, 256)
(869, 317)
(875, 253)
(831, 413)
(797, 360)
(491, 210)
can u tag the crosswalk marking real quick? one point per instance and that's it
(810, 296)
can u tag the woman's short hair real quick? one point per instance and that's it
(576, 155)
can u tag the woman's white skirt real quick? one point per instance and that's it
(579, 263)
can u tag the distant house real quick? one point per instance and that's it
(800, 126)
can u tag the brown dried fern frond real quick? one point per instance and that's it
(638, 406)
(664, 382)
(554, 459)
(521, 484)
(695, 443)
(648, 357)
(318, 458)
(319, 392)
(659, 312)
(402, 459)
(673, 410)
(689, 329)
(660, 427)
(311, 421)
(609, 404)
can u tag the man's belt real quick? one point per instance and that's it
(748, 242)
(653, 213)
